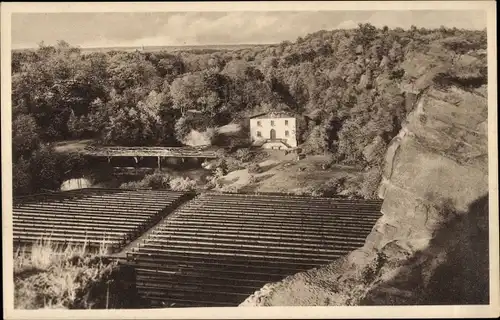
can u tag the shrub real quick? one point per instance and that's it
(72, 162)
(252, 179)
(308, 191)
(371, 181)
(233, 164)
(214, 181)
(132, 185)
(244, 155)
(372, 270)
(221, 166)
(254, 168)
(62, 277)
(21, 177)
(230, 189)
(334, 186)
(156, 181)
(182, 184)
(151, 181)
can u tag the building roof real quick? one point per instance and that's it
(274, 114)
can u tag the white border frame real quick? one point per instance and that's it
(491, 310)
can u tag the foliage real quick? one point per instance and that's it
(44, 169)
(183, 184)
(25, 137)
(370, 183)
(60, 277)
(254, 168)
(244, 155)
(364, 186)
(22, 180)
(151, 181)
(344, 86)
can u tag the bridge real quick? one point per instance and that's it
(89, 149)
(139, 153)
(175, 152)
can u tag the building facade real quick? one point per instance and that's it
(274, 130)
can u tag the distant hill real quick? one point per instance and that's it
(204, 48)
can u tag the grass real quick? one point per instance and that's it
(61, 277)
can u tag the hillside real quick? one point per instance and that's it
(344, 86)
(431, 244)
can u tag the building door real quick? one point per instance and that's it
(273, 134)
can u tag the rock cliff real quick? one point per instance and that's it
(431, 244)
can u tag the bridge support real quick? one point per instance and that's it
(159, 163)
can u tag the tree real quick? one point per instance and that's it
(317, 141)
(351, 79)
(129, 70)
(44, 170)
(365, 34)
(25, 137)
(206, 92)
(21, 177)
(460, 45)
(133, 121)
(170, 67)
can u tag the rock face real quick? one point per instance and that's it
(431, 244)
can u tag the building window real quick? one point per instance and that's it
(287, 133)
(272, 123)
(286, 123)
(259, 134)
(259, 124)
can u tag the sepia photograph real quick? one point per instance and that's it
(166, 157)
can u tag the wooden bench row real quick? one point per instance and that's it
(264, 196)
(226, 261)
(274, 251)
(271, 226)
(260, 215)
(321, 225)
(284, 210)
(308, 202)
(251, 235)
(82, 216)
(96, 211)
(105, 203)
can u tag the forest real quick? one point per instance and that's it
(350, 89)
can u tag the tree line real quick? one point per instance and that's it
(345, 86)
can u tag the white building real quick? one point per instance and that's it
(273, 130)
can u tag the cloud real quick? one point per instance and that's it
(198, 28)
(348, 24)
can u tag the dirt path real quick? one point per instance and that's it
(71, 145)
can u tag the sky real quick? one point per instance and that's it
(101, 29)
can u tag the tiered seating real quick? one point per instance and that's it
(110, 217)
(218, 249)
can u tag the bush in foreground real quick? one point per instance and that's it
(254, 168)
(182, 184)
(69, 277)
(151, 181)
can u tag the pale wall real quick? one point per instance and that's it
(280, 127)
